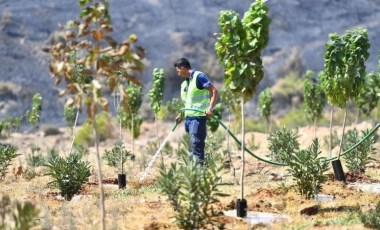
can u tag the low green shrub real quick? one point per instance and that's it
(117, 155)
(9, 124)
(36, 158)
(69, 174)
(357, 159)
(21, 216)
(307, 169)
(371, 219)
(85, 135)
(192, 190)
(7, 154)
(282, 142)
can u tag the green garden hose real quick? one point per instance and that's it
(273, 162)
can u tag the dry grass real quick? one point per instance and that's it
(141, 206)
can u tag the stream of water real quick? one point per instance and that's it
(147, 170)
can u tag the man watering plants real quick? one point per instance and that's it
(198, 93)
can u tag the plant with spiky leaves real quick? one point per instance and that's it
(7, 154)
(192, 189)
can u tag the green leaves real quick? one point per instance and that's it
(34, 113)
(314, 97)
(345, 58)
(68, 174)
(7, 154)
(213, 122)
(156, 94)
(192, 190)
(357, 159)
(23, 215)
(239, 46)
(368, 97)
(282, 143)
(117, 156)
(308, 169)
(265, 103)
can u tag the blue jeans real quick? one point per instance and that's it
(196, 128)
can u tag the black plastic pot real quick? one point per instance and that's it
(121, 180)
(338, 170)
(241, 208)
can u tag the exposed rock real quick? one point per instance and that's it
(50, 130)
(309, 211)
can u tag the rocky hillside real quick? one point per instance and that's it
(169, 29)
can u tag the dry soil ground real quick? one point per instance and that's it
(267, 188)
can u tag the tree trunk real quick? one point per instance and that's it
(232, 169)
(100, 177)
(315, 127)
(344, 126)
(121, 150)
(74, 131)
(331, 120)
(133, 135)
(158, 137)
(357, 117)
(242, 150)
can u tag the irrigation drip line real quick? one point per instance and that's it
(273, 162)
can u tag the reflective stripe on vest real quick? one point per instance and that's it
(193, 97)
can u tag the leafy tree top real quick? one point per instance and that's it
(345, 58)
(156, 93)
(314, 96)
(239, 47)
(91, 58)
(265, 103)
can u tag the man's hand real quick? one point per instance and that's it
(179, 119)
(208, 113)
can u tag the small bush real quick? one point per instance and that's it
(35, 159)
(85, 132)
(7, 154)
(357, 159)
(68, 174)
(307, 169)
(192, 189)
(117, 155)
(282, 142)
(20, 215)
(371, 219)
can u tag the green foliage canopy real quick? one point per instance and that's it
(265, 103)
(368, 97)
(314, 97)
(239, 47)
(156, 93)
(345, 58)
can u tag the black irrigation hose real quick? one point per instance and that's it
(273, 162)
